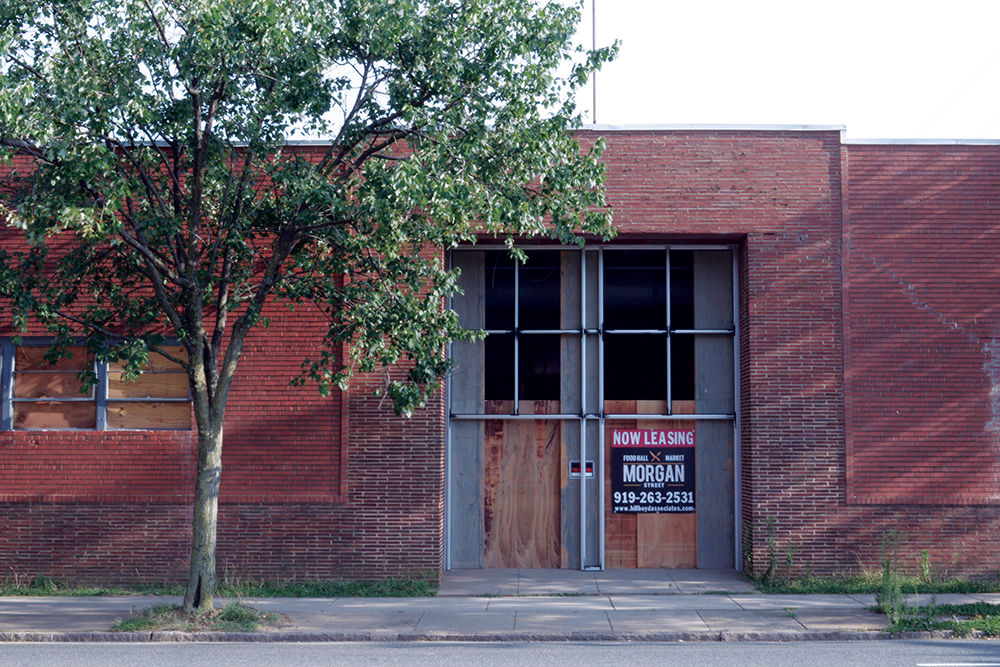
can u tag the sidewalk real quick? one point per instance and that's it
(503, 605)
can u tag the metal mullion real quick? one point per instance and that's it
(517, 337)
(146, 399)
(737, 424)
(487, 417)
(703, 332)
(674, 416)
(101, 395)
(55, 399)
(634, 246)
(6, 385)
(583, 410)
(670, 360)
(550, 331)
(600, 403)
(447, 434)
(636, 331)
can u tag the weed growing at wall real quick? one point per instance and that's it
(889, 598)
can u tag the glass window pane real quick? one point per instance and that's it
(539, 290)
(635, 289)
(682, 367)
(635, 367)
(681, 289)
(499, 290)
(499, 371)
(538, 367)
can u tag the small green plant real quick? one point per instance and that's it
(791, 550)
(960, 619)
(772, 553)
(889, 598)
(748, 547)
(925, 566)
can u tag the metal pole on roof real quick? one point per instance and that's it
(593, 46)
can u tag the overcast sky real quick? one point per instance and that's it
(883, 68)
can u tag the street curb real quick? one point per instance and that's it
(327, 637)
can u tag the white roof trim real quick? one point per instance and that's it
(923, 142)
(695, 127)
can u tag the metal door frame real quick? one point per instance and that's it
(601, 417)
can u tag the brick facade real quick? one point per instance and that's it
(869, 382)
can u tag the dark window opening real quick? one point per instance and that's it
(499, 371)
(539, 290)
(538, 367)
(635, 285)
(681, 289)
(682, 367)
(499, 290)
(635, 367)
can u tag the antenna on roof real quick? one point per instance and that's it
(593, 46)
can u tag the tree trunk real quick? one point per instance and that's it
(201, 582)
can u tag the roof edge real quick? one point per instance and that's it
(922, 142)
(710, 127)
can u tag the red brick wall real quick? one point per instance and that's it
(905, 259)
(923, 358)
(779, 194)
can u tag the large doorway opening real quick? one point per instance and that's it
(595, 425)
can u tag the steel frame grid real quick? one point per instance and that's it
(583, 418)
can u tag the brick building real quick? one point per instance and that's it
(801, 335)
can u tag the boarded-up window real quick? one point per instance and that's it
(40, 395)
(49, 395)
(157, 399)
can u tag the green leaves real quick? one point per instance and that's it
(153, 170)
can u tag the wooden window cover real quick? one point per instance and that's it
(55, 414)
(48, 396)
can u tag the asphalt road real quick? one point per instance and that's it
(926, 653)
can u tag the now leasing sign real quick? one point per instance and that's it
(652, 470)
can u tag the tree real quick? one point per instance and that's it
(161, 197)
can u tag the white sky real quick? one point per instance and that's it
(883, 68)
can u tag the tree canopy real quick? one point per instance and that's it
(157, 188)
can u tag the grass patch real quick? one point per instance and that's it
(387, 588)
(43, 585)
(231, 618)
(962, 619)
(872, 583)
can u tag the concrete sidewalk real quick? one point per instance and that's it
(502, 605)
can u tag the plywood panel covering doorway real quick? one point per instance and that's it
(521, 492)
(647, 540)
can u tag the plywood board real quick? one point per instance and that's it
(156, 361)
(63, 384)
(620, 534)
(148, 385)
(521, 494)
(647, 540)
(666, 540)
(55, 414)
(143, 414)
(32, 358)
